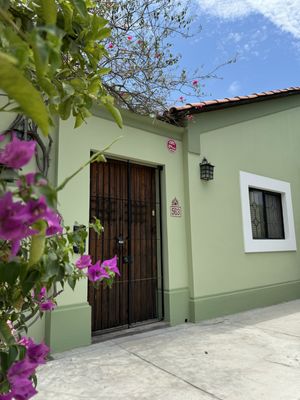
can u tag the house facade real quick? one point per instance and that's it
(188, 249)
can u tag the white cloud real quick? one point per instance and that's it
(285, 14)
(236, 37)
(234, 88)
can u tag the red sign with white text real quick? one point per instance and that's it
(171, 144)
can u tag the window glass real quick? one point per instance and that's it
(266, 214)
(257, 214)
(274, 216)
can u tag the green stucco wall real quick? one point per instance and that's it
(206, 271)
(262, 139)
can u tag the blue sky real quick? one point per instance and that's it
(265, 36)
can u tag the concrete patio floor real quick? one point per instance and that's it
(252, 355)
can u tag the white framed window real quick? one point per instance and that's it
(267, 213)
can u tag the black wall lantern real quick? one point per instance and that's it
(206, 170)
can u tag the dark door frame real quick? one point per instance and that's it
(160, 265)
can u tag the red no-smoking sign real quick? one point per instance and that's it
(172, 146)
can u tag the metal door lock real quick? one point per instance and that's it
(120, 240)
(127, 260)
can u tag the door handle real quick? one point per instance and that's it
(127, 260)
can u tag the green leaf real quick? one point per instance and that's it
(115, 114)
(49, 11)
(65, 109)
(68, 16)
(41, 53)
(18, 88)
(4, 368)
(97, 226)
(68, 268)
(48, 86)
(50, 194)
(104, 71)
(98, 22)
(38, 241)
(9, 272)
(71, 282)
(78, 121)
(80, 7)
(78, 84)
(29, 281)
(51, 269)
(5, 333)
(34, 380)
(103, 33)
(94, 86)
(68, 90)
(12, 354)
(22, 352)
(18, 47)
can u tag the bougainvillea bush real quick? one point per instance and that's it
(37, 260)
(50, 53)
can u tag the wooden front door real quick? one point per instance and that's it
(123, 196)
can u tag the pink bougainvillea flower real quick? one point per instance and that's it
(17, 153)
(17, 218)
(20, 372)
(129, 37)
(36, 209)
(112, 265)
(84, 261)
(14, 224)
(96, 272)
(6, 396)
(21, 369)
(54, 223)
(47, 305)
(36, 352)
(23, 389)
(2, 137)
(30, 180)
(195, 82)
(110, 45)
(39, 210)
(42, 293)
(140, 42)
(25, 341)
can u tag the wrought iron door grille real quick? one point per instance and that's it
(125, 198)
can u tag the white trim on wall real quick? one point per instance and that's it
(273, 185)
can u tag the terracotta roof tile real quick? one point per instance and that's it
(210, 105)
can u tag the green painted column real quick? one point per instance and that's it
(68, 327)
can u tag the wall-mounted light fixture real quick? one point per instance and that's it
(206, 170)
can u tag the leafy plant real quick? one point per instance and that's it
(50, 53)
(37, 260)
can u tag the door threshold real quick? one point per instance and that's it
(102, 336)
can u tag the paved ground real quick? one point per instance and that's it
(253, 355)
